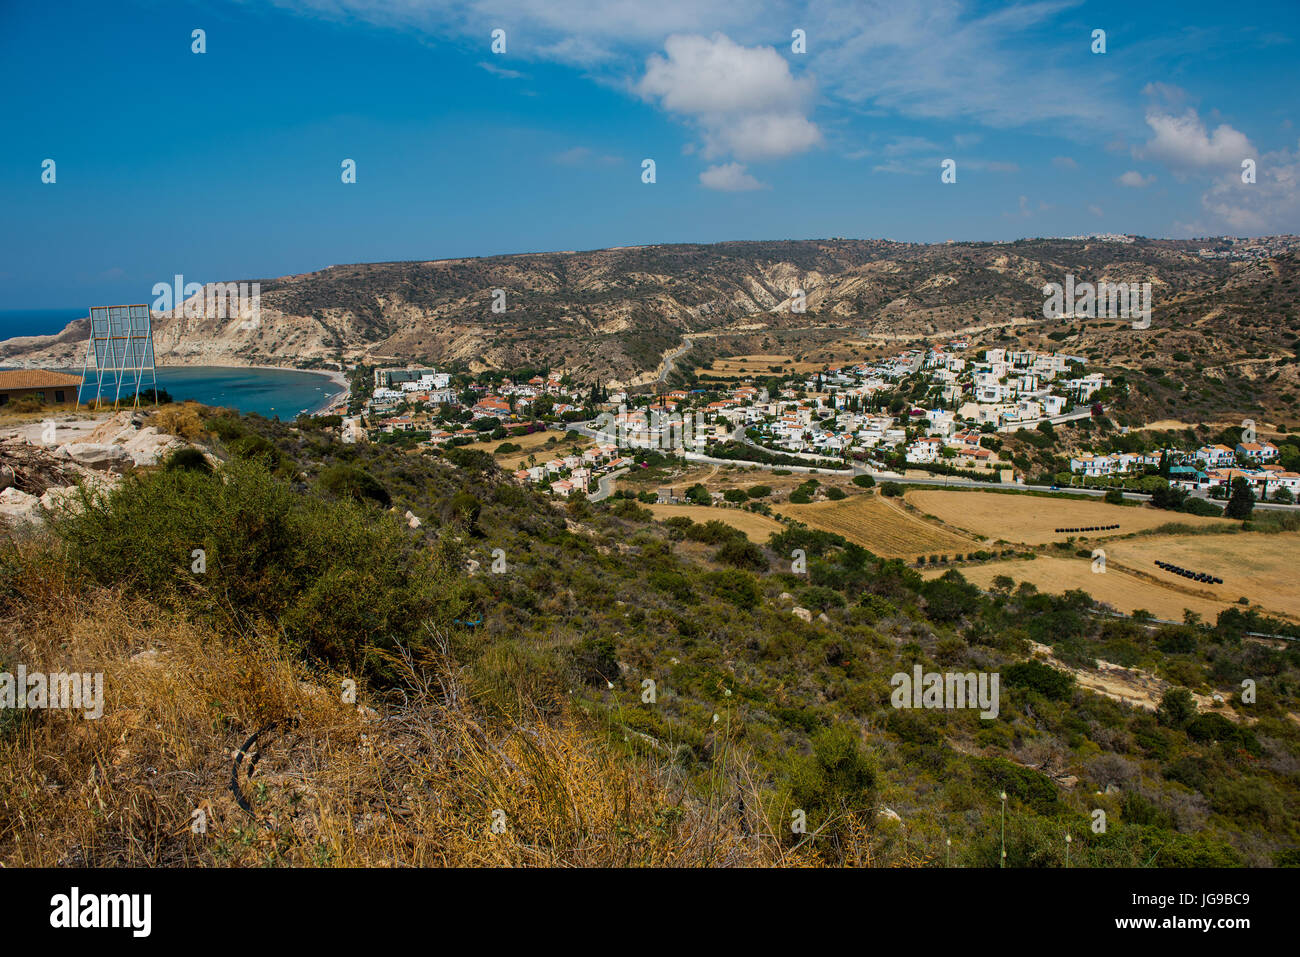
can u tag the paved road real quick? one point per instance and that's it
(605, 485)
(675, 354)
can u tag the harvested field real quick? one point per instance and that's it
(879, 526)
(758, 365)
(1123, 591)
(534, 444)
(1033, 519)
(756, 527)
(1252, 564)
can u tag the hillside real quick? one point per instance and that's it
(610, 315)
(620, 691)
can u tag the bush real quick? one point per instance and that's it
(837, 779)
(1036, 676)
(950, 597)
(835, 494)
(594, 660)
(864, 481)
(733, 586)
(339, 582)
(1114, 496)
(741, 553)
(349, 481)
(891, 490)
(187, 460)
(759, 491)
(1177, 708)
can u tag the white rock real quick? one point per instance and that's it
(99, 456)
(888, 814)
(411, 519)
(802, 613)
(19, 506)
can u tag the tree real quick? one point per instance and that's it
(699, 495)
(1177, 708)
(1242, 500)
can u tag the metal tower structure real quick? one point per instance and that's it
(121, 343)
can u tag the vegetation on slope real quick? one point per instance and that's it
(525, 692)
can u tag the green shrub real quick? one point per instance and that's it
(741, 553)
(187, 459)
(734, 586)
(340, 582)
(1036, 676)
(349, 481)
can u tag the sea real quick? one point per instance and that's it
(274, 393)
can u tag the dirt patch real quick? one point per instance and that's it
(757, 528)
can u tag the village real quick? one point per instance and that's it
(940, 410)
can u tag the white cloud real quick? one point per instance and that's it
(903, 145)
(500, 71)
(951, 59)
(1183, 143)
(1270, 205)
(744, 99)
(1064, 162)
(1135, 179)
(729, 177)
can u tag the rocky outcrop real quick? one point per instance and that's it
(37, 475)
(98, 455)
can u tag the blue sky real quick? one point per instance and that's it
(226, 165)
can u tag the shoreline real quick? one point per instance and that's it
(340, 379)
(340, 395)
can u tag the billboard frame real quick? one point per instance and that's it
(121, 342)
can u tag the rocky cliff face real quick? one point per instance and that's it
(611, 315)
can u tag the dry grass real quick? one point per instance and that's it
(533, 444)
(1118, 588)
(182, 420)
(412, 779)
(757, 528)
(874, 523)
(1258, 566)
(1033, 519)
(760, 364)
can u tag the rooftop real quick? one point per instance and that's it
(36, 379)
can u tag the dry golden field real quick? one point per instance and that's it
(875, 524)
(1032, 519)
(1123, 591)
(534, 444)
(758, 365)
(756, 527)
(1253, 565)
